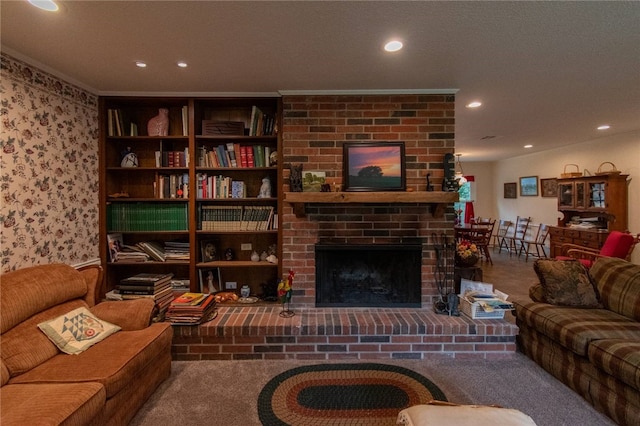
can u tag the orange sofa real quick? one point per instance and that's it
(106, 383)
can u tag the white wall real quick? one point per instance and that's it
(622, 150)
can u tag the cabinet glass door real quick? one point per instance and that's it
(565, 195)
(597, 195)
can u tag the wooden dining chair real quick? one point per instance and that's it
(536, 241)
(516, 237)
(481, 236)
(499, 237)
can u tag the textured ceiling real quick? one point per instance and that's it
(548, 73)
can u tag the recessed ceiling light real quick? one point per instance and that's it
(604, 127)
(528, 146)
(141, 64)
(393, 46)
(182, 64)
(474, 104)
(48, 5)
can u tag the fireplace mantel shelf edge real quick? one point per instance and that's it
(436, 199)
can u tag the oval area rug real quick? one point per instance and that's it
(343, 394)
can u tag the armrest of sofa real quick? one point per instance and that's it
(128, 314)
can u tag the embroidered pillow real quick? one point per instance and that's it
(566, 283)
(76, 331)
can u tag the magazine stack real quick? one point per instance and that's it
(192, 308)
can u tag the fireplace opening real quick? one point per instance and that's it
(377, 275)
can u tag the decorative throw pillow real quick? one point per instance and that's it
(76, 331)
(566, 283)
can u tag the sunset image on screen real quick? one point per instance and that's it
(387, 158)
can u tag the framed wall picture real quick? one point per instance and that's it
(549, 187)
(511, 190)
(374, 166)
(529, 186)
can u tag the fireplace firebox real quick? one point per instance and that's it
(375, 275)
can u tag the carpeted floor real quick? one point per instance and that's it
(227, 392)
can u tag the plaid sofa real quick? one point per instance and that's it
(596, 352)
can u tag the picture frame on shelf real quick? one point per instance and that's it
(529, 186)
(374, 166)
(511, 190)
(210, 280)
(313, 181)
(209, 251)
(549, 187)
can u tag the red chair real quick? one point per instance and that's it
(618, 244)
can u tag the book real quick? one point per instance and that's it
(231, 152)
(155, 250)
(189, 299)
(144, 277)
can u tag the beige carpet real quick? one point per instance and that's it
(226, 392)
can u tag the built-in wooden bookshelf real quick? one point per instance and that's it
(185, 184)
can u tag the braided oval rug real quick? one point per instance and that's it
(343, 394)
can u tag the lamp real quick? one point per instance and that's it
(459, 173)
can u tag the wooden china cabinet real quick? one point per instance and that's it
(601, 201)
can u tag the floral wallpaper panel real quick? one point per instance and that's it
(48, 169)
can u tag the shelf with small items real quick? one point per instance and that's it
(436, 199)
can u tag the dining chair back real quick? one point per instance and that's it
(482, 238)
(519, 232)
(499, 238)
(536, 241)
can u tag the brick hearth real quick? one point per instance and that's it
(240, 333)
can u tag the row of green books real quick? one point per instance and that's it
(235, 218)
(128, 217)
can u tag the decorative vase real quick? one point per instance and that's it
(466, 262)
(159, 125)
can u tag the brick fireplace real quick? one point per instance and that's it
(314, 131)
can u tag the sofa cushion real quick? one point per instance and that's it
(620, 358)
(31, 290)
(618, 283)
(565, 283)
(77, 331)
(112, 362)
(25, 346)
(576, 328)
(51, 404)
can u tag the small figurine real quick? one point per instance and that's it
(265, 189)
(255, 257)
(129, 158)
(228, 254)
(295, 178)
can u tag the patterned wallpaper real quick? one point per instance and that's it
(48, 169)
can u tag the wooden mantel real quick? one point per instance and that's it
(437, 199)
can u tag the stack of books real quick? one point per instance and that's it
(176, 251)
(146, 285)
(192, 308)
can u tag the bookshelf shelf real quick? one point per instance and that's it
(236, 264)
(179, 157)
